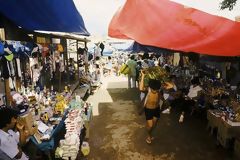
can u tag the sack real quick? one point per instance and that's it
(124, 69)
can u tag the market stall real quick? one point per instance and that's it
(50, 116)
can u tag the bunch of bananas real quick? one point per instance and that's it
(156, 73)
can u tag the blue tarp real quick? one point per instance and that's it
(137, 47)
(46, 15)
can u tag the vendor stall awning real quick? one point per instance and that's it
(46, 15)
(166, 24)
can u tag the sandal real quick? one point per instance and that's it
(148, 140)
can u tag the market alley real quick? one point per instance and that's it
(118, 132)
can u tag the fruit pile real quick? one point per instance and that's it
(156, 73)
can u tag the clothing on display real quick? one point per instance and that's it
(47, 110)
(40, 47)
(8, 54)
(36, 74)
(11, 83)
(161, 60)
(1, 48)
(45, 49)
(35, 51)
(19, 71)
(61, 65)
(33, 61)
(5, 69)
(176, 59)
(12, 68)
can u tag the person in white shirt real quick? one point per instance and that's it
(11, 141)
(193, 94)
(194, 89)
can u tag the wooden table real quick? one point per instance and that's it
(226, 130)
(213, 121)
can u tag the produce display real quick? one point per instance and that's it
(156, 73)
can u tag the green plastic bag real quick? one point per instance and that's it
(124, 69)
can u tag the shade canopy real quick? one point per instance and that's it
(167, 24)
(137, 47)
(46, 15)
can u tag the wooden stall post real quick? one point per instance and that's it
(77, 59)
(18, 84)
(7, 91)
(65, 57)
(6, 81)
(85, 48)
(60, 78)
(52, 55)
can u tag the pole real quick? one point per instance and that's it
(77, 59)
(86, 53)
(6, 81)
(7, 92)
(60, 73)
(64, 42)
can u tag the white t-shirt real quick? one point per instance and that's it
(9, 144)
(193, 91)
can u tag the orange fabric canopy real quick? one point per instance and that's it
(167, 24)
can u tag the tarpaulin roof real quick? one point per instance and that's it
(167, 24)
(47, 15)
(137, 47)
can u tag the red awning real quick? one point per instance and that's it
(167, 24)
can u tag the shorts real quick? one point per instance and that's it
(150, 113)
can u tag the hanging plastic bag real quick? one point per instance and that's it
(124, 69)
(85, 148)
(59, 152)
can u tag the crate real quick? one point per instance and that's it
(27, 121)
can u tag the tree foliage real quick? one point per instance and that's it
(228, 4)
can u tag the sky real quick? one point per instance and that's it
(97, 14)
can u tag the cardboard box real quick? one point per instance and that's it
(28, 122)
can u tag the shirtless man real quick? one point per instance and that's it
(152, 108)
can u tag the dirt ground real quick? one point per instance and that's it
(118, 133)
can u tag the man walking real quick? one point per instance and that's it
(132, 64)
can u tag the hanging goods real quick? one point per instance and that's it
(1, 49)
(8, 54)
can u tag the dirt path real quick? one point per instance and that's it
(118, 133)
